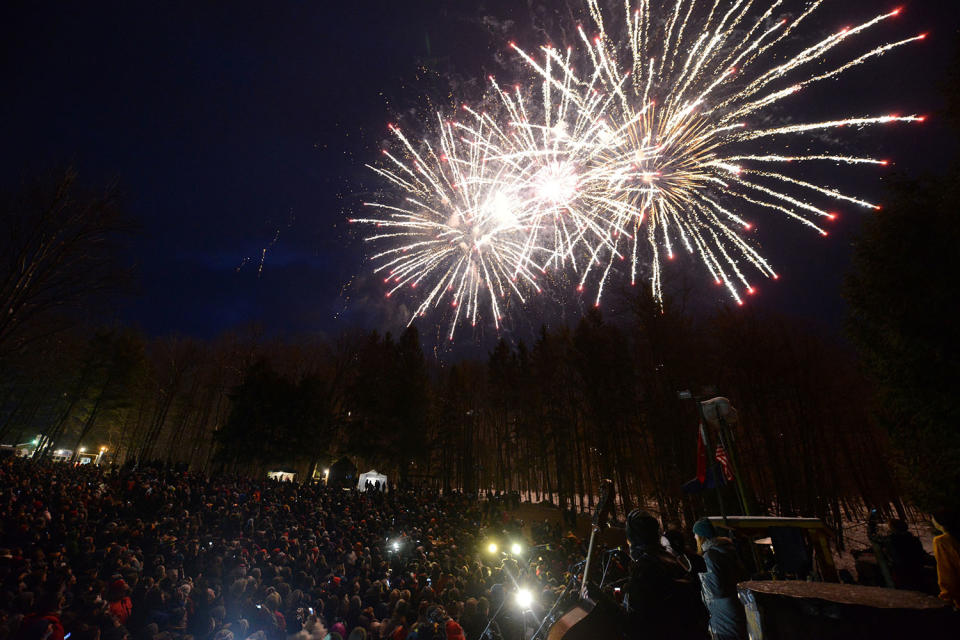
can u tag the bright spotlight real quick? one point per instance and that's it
(524, 599)
(396, 545)
(515, 548)
(492, 547)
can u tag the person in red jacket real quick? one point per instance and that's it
(44, 624)
(118, 601)
(453, 629)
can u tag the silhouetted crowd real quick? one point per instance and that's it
(88, 553)
(154, 554)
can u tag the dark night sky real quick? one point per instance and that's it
(225, 122)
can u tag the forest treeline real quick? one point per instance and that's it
(547, 419)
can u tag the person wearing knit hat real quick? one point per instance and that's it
(642, 529)
(703, 529)
(661, 601)
(719, 582)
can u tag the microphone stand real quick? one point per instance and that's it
(549, 616)
(611, 554)
(493, 617)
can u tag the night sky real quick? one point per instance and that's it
(234, 127)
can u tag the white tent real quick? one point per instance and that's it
(372, 476)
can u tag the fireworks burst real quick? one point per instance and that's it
(649, 141)
(456, 232)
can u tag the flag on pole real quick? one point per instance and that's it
(701, 456)
(724, 461)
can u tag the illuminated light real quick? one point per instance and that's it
(776, 276)
(748, 226)
(516, 548)
(922, 36)
(751, 291)
(524, 599)
(824, 234)
(831, 216)
(492, 547)
(396, 545)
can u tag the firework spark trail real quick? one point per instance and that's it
(651, 124)
(682, 132)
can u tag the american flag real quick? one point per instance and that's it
(724, 461)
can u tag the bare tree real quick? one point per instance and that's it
(57, 255)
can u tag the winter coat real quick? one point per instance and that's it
(661, 599)
(36, 625)
(946, 549)
(121, 608)
(907, 559)
(719, 589)
(454, 631)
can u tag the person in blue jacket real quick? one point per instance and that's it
(719, 583)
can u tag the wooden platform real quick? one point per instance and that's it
(788, 610)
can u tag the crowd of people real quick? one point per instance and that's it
(90, 553)
(106, 554)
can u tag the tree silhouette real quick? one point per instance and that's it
(900, 299)
(58, 254)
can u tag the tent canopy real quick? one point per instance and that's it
(372, 476)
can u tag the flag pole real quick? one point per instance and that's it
(732, 458)
(705, 434)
